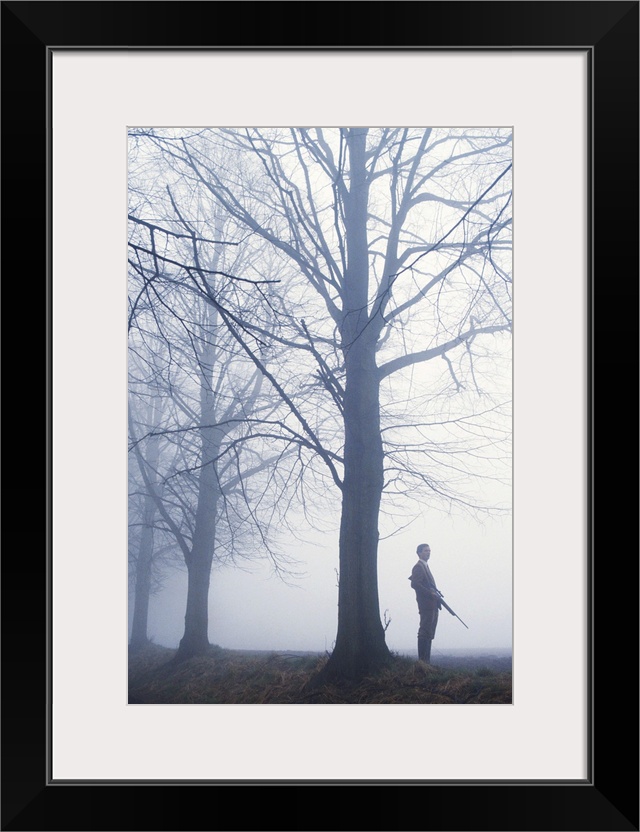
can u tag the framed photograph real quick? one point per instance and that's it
(562, 78)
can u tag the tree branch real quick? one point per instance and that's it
(435, 352)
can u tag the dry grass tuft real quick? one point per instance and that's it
(235, 677)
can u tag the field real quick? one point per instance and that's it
(242, 677)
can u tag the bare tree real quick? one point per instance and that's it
(181, 350)
(394, 250)
(143, 557)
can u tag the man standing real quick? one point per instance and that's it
(428, 601)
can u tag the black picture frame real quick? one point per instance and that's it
(608, 798)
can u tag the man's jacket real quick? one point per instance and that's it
(424, 584)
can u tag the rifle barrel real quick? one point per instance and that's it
(447, 607)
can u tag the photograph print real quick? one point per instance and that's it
(319, 415)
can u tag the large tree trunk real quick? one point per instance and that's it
(195, 640)
(360, 643)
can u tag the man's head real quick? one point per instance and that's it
(424, 551)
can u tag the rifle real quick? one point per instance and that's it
(448, 608)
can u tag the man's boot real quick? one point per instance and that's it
(427, 652)
(424, 649)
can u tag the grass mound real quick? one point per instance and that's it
(235, 677)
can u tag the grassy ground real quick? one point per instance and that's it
(237, 677)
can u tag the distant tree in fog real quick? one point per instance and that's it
(208, 494)
(143, 513)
